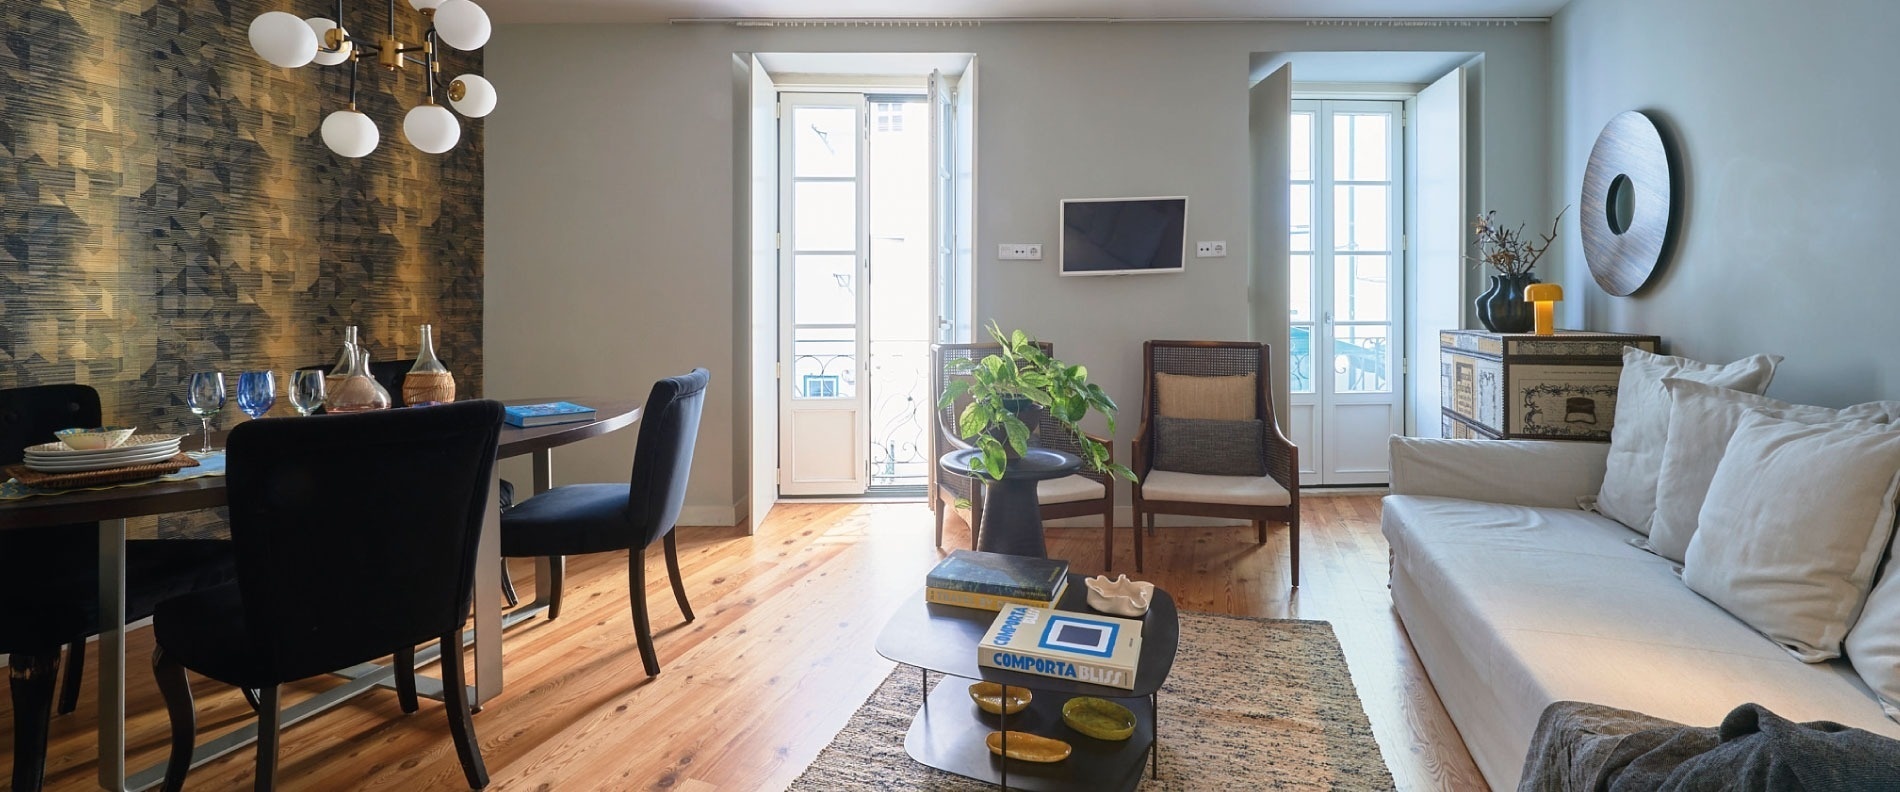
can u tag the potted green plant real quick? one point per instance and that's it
(1010, 391)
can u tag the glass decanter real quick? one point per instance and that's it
(360, 391)
(345, 363)
(428, 382)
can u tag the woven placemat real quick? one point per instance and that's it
(90, 478)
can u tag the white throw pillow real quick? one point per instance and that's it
(1795, 524)
(1642, 424)
(1874, 643)
(1702, 418)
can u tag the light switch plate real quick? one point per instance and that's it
(1020, 252)
(1210, 250)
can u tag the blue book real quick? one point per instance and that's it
(1005, 576)
(530, 415)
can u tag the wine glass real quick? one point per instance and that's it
(257, 391)
(205, 396)
(306, 390)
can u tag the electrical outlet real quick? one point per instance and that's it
(1210, 250)
(1019, 252)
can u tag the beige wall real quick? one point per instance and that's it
(1786, 121)
(611, 220)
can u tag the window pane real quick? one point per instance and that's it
(824, 141)
(1361, 359)
(1361, 289)
(1302, 358)
(1302, 157)
(1362, 218)
(824, 289)
(1360, 147)
(825, 216)
(1302, 217)
(1302, 291)
(824, 363)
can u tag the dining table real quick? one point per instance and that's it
(109, 508)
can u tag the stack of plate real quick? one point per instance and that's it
(137, 450)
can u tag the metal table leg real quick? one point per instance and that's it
(487, 601)
(112, 655)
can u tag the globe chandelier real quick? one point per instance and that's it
(287, 41)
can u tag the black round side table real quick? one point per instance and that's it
(1012, 517)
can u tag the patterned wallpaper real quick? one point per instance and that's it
(167, 206)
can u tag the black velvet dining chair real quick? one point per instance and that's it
(295, 489)
(597, 518)
(52, 578)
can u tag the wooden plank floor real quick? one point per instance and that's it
(780, 656)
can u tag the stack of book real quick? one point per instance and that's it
(532, 415)
(992, 581)
(1080, 647)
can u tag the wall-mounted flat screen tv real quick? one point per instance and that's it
(1123, 236)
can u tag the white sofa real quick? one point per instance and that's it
(1515, 598)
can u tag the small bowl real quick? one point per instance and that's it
(989, 698)
(104, 437)
(1121, 596)
(1098, 718)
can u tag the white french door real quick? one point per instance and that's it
(823, 347)
(1347, 290)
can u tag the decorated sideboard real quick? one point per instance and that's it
(1533, 387)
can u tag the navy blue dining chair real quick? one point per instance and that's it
(598, 518)
(294, 487)
(52, 578)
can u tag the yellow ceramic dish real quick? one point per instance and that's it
(989, 698)
(1098, 718)
(1026, 747)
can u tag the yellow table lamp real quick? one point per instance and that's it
(1545, 296)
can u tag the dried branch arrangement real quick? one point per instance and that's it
(1505, 249)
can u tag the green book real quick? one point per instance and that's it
(998, 575)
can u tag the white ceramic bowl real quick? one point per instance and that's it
(83, 439)
(1121, 596)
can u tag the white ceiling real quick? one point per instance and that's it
(662, 10)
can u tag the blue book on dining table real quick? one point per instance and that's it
(531, 415)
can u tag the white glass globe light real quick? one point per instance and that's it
(424, 6)
(283, 39)
(350, 133)
(462, 24)
(320, 26)
(478, 95)
(431, 128)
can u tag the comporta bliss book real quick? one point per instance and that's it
(1082, 647)
(527, 415)
(1032, 580)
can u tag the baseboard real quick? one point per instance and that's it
(718, 516)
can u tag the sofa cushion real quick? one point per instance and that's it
(1874, 642)
(1796, 522)
(1068, 489)
(1167, 485)
(1702, 418)
(1226, 398)
(1212, 448)
(1512, 608)
(1642, 424)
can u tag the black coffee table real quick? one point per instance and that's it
(948, 731)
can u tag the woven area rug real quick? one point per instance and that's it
(1250, 704)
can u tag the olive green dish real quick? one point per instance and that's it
(1098, 718)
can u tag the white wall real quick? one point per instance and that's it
(611, 215)
(1786, 120)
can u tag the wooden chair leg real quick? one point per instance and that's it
(31, 678)
(557, 569)
(269, 725)
(637, 590)
(1293, 539)
(673, 571)
(1260, 528)
(405, 661)
(1108, 538)
(939, 508)
(176, 690)
(455, 701)
(75, 670)
(508, 586)
(1140, 520)
(976, 512)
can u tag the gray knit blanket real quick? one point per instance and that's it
(1581, 747)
